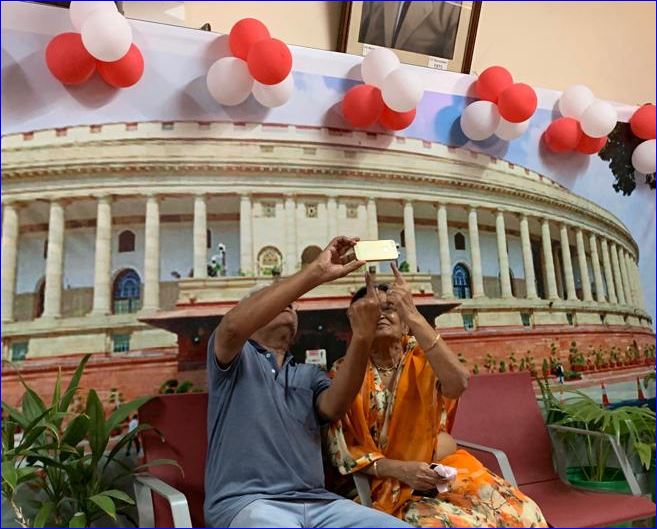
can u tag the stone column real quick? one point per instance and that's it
(615, 265)
(503, 255)
(609, 278)
(372, 226)
(475, 254)
(246, 236)
(409, 236)
(583, 266)
(290, 262)
(567, 264)
(332, 214)
(636, 277)
(445, 261)
(627, 286)
(152, 255)
(597, 273)
(527, 258)
(549, 260)
(9, 259)
(52, 303)
(103, 257)
(200, 235)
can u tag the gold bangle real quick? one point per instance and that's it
(433, 344)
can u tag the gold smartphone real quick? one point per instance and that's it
(370, 251)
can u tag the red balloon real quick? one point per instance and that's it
(642, 122)
(517, 103)
(362, 105)
(563, 135)
(126, 71)
(588, 145)
(244, 34)
(269, 61)
(492, 82)
(68, 60)
(390, 119)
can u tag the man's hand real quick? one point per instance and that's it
(400, 297)
(364, 314)
(330, 264)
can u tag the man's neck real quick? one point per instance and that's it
(278, 342)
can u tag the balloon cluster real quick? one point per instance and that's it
(389, 96)
(260, 65)
(103, 42)
(584, 124)
(504, 107)
(642, 124)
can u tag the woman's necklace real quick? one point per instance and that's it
(386, 370)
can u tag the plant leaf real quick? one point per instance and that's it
(44, 513)
(119, 495)
(157, 462)
(9, 474)
(78, 520)
(121, 443)
(15, 414)
(57, 392)
(98, 435)
(76, 430)
(124, 411)
(73, 384)
(105, 503)
(31, 404)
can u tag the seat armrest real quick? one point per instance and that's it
(145, 485)
(502, 459)
(362, 482)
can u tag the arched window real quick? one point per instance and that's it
(309, 255)
(126, 294)
(461, 281)
(459, 241)
(270, 261)
(126, 241)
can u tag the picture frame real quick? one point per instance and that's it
(438, 35)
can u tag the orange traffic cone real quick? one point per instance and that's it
(639, 391)
(605, 398)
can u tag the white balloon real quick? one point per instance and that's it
(479, 120)
(599, 119)
(575, 100)
(229, 81)
(401, 90)
(107, 35)
(274, 95)
(508, 131)
(377, 64)
(643, 157)
(79, 11)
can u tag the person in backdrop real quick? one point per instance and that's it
(132, 426)
(264, 461)
(559, 371)
(429, 28)
(398, 424)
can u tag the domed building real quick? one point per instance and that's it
(130, 240)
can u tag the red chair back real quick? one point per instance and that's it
(501, 411)
(182, 420)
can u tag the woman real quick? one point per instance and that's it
(397, 426)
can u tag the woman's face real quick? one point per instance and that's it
(389, 325)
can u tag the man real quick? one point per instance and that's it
(264, 463)
(429, 28)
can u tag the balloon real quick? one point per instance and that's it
(509, 131)
(229, 81)
(107, 35)
(362, 105)
(377, 64)
(599, 119)
(244, 34)
(588, 145)
(643, 157)
(563, 135)
(642, 122)
(492, 82)
(396, 120)
(517, 103)
(479, 120)
(269, 61)
(126, 71)
(274, 95)
(401, 90)
(68, 60)
(79, 11)
(575, 100)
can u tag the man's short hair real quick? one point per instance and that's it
(360, 293)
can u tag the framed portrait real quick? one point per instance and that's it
(438, 35)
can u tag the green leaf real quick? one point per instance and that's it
(9, 474)
(31, 404)
(73, 384)
(78, 520)
(57, 392)
(119, 495)
(105, 503)
(42, 516)
(26, 473)
(76, 430)
(158, 462)
(15, 414)
(98, 435)
(8, 433)
(123, 442)
(124, 411)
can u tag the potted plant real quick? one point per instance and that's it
(461, 358)
(513, 363)
(475, 369)
(490, 363)
(404, 267)
(649, 354)
(63, 458)
(502, 368)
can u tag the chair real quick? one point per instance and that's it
(165, 496)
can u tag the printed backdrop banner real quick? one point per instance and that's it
(173, 88)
